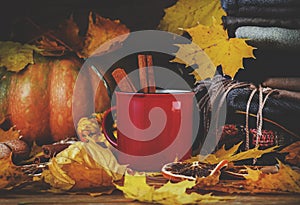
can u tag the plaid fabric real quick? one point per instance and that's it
(233, 134)
(267, 139)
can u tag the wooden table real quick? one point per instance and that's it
(10, 198)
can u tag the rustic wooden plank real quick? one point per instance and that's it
(117, 198)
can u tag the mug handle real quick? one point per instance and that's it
(109, 134)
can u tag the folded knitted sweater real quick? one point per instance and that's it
(233, 4)
(272, 37)
(265, 12)
(231, 23)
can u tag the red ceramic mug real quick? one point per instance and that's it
(152, 129)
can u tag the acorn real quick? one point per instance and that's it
(19, 148)
(4, 150)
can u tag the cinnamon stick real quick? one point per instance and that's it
(143, 73)
(151, 80)
(123, 81)
(41, 159)
(19, 148)
(285, 83)
(53, 149)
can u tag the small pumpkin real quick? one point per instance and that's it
(38, 100)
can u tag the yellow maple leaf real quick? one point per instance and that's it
(135, 187)
(189, 13)
(81, 166)
(231, 154)
(214, 41)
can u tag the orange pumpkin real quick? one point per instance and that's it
(38, 100)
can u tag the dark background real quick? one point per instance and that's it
(135, 14)
(18, 20)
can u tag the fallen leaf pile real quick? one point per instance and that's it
(135, 187)
(66, 37)
(90, 164)
(232, 154)
(287, 180)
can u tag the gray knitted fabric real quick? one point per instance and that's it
(231, 4)
(280, 12)
(272, 37)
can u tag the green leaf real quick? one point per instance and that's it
(16, 56)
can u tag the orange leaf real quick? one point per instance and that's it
(81, 166)
(68, 32)
(11, 134)
(67, 38)
(86, 178)
(286, 180)
(50, 47)
(293, 151)
(100, 31)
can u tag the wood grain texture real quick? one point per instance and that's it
(118, 198)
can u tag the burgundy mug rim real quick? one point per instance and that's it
(159, 92)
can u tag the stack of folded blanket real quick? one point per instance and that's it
(262, 102)
(262, 115)
(273, 23)
(273, 28)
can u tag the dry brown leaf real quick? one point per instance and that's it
(57, 177)
(50, 47)
(90, 127)
(210, 180)
(286, 180)
(99, 32)
(83, 165)
(293, 151)
(11, 176)
(87, 178)
(11, 134)
(68, 32)
(67, 38)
